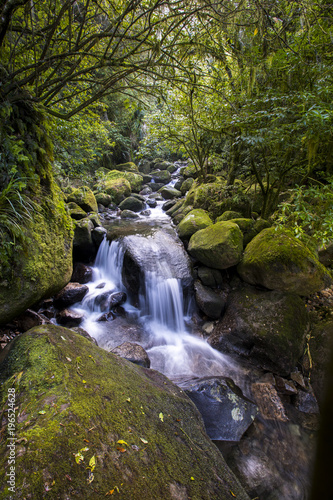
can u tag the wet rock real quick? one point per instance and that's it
(134, 353)
(128, 214)
(146, 190)
(186, 185)
(83, 245)
(72, 293)
(226, 413)
(106, 317)
(116, 400)
(299, 379)
(29, 319)
(218, 246)
(108, 300)
(169, 193)
(267, 327)
(103, 199)
(228, 215)
(132, 203)
(98, 234)
(194, 221)
(210, 277)
(209, 302)
(306, 402)
(161, 176)
(277, 260)
(151, 203)
(81, 273)
(101, 285)
(268, 401)
(146, 213)
(69, 318)
(168, 204)
(156, 186)
(285, 386)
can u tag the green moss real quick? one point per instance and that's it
(218, 246)
(135, 180)
(192, 222)
(278, 261)
(72, 395)
(84, 197)
(127, 167)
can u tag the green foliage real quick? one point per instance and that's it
(309, 212)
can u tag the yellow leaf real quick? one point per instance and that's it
(192, 478)
(255, 32)
(161, 417)
(84, 381)
(92, 463)
(144, 440)
(121, 441)
(233, 494)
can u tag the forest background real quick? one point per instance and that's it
(241, 89)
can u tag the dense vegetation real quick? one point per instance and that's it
(242, 89)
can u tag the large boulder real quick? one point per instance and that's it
(161, 176)
(118, 188)
(91, 424)
(127, 167)
(85, 198)
(169, 193)
(70, 294)
(76, 212)
(267, 327)
(218, 246)
(83, 246)
(194, 221)
(135, 180)
(134, 353)
(132, 203)
(277, 260)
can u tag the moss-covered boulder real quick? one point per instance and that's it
(76, 212)
(135, 180)
(41, 264)
(127, 167)
(91, 424)
(161, 176)
(84, 197)
(132, 203)
(277, 260)
(186, 185)
(247, 226)
(194, 221)
(103, 199)
(266, 327)
(218, 246)
(169, 193)
(228, 215)
(118, 188)
(83, 246)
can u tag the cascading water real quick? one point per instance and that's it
(163, 314)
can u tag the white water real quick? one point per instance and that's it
(163, 324)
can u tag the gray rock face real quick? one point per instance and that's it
(210, 277)
(72, 293)
(226, 413)
(129, 214)
(98, 235)
(161, 176)
(69, 318)
(209, 302)
(134, 353)
(148, 254)
(81, 274)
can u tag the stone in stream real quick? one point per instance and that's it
(133, 353)
(69, 318)
(209, 302)
(82, 273)
(227, 414)
(69, 295)
(194, 221)
(98, 234)
(108, 300)
(132, 203)
(145, 436)
(169, 193)
(151, 203)
(129, 214)
(161, 176)
(83, 246)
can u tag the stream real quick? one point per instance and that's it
(143, 262)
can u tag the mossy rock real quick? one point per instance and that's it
(161, 176)
(186, 185)
(81, 408)
(103, 199)
(83, 245)
(131, 203)
(135, 180)
(189, 172)
(118, 188)
(127, 167)
(266, 327)
(169, 193)
(76, 212)
(41, 264)
(228, 215)
(194, 221)
(247, 228)
(85, 198)
(277, 260)
(218, 246)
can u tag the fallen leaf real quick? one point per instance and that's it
(42, 412)
(68, 359)
(144, 440)
(135, 447)
(233, 494)
(90, 478)
(121, 441)
(192, 478)
(92, 463)
(161, 417)
(84, 381)
(121, 449)
(128, 400)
